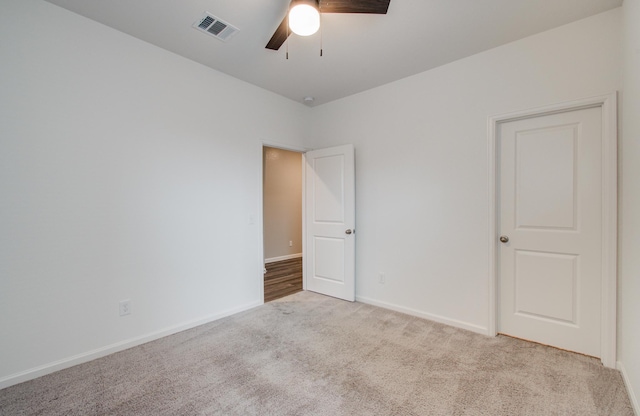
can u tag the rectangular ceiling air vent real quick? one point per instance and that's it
(215, 27)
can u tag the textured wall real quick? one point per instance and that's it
(629, 221)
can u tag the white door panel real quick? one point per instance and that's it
(550, 195)
(329, 258)
(328, 187)
(546, 285)
(330, 214)
(545, 173)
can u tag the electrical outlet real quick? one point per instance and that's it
(125, 307)
(290, 243)
(382, 278)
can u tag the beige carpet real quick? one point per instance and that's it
(307, 354)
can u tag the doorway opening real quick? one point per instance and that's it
(282, 184)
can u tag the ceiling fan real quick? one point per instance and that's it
(327, 6)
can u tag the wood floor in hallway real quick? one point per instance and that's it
(283, 278)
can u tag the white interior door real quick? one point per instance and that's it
(330, 222)
(550, 201)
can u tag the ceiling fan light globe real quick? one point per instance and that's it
(304, 20)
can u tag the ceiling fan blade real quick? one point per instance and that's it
(331, 6)
(354, 6)
(279, 36)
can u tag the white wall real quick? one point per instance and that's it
(121, 178)
(282, 196)
(421, 162)
(629, 222)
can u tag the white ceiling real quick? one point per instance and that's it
(360, 51)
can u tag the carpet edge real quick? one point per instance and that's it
(627, 383)
(420, 314)
(84, 357)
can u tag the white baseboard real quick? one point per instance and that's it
(627, 383)
(281, 258)
(420, 314)
(113, 348)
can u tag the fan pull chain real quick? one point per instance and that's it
(321, 34)
(287, 40)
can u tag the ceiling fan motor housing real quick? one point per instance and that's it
(312, 3)
(328, 6)
(304, 17)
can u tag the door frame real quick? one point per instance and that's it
(608, 103)
(302, 151)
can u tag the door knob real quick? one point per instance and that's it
(504, 239)
(348, 232)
